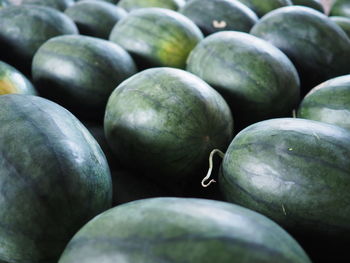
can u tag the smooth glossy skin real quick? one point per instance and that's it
(328, 102)
(60, 5)
(159, 36)
(262, 7)
(340, 8)
(343, 22)
(165, 122)
(13, 81)
(23, 29)
(181, 230)
(295, 172)
(80, 72)
(95, 18)
(53, 178)
(317, 46)
(256, 79)
(315, 4)
(228, 14)
(131, 5)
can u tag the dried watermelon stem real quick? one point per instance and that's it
(206, 178)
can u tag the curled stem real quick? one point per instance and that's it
(206, 178)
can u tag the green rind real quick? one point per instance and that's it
(54, 178)
(13, 81)
(175, 230)
(294, 171)
(60, 5)
(4, 3)
(262, 7)
(340, 8)
(95, 18)
(165, 122)
(80, 72)
(159, 36)
(315, 4)
(256, 79)
(204, 13)
(23, 29)
(317, 46)
(131, 5)
(343, 22)
(329, 102)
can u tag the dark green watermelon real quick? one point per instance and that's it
(217, 15)
(131, 5)
(343, 22)
(53, 179)
(60, 5)
(294, 171)
(328, 102)
(13, 81)
(256, 79)
(23, 29)
(262, 7)
(80, 72)
(157, 37)
(179, 230)
(95, 18)
(165, 122)
(317, 46)
(340, 8)
(315, 4)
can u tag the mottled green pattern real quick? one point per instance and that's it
(162, 37)
(4, 3)
(53, 179)
(60, 5)
(340, 8)
(130, 5)
(329, 102)
(315, 4)
(262, 7)
(23, 29)
(257, 80)
(95, 18)
(178, 230)
(316, 45)
(12, 79)
(166, 121)
(80, 72)
(343, 22)
(234, 15)
(294, 171)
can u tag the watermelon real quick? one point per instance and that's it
(130, 5)
(80, 72)
(294, 171)
(262, 7)
(328, 102)
(217, 15)
(13, 81)
(256, 79)
(95, 18)
(60, 5)
(53, 178)
(23, 29)
(343, 22)
(340, 8)
(181, 230)
(157, 37)
(4, 3)
(164, 122)
(315, 4)
(317, 46)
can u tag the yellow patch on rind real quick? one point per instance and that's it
(7, 87)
